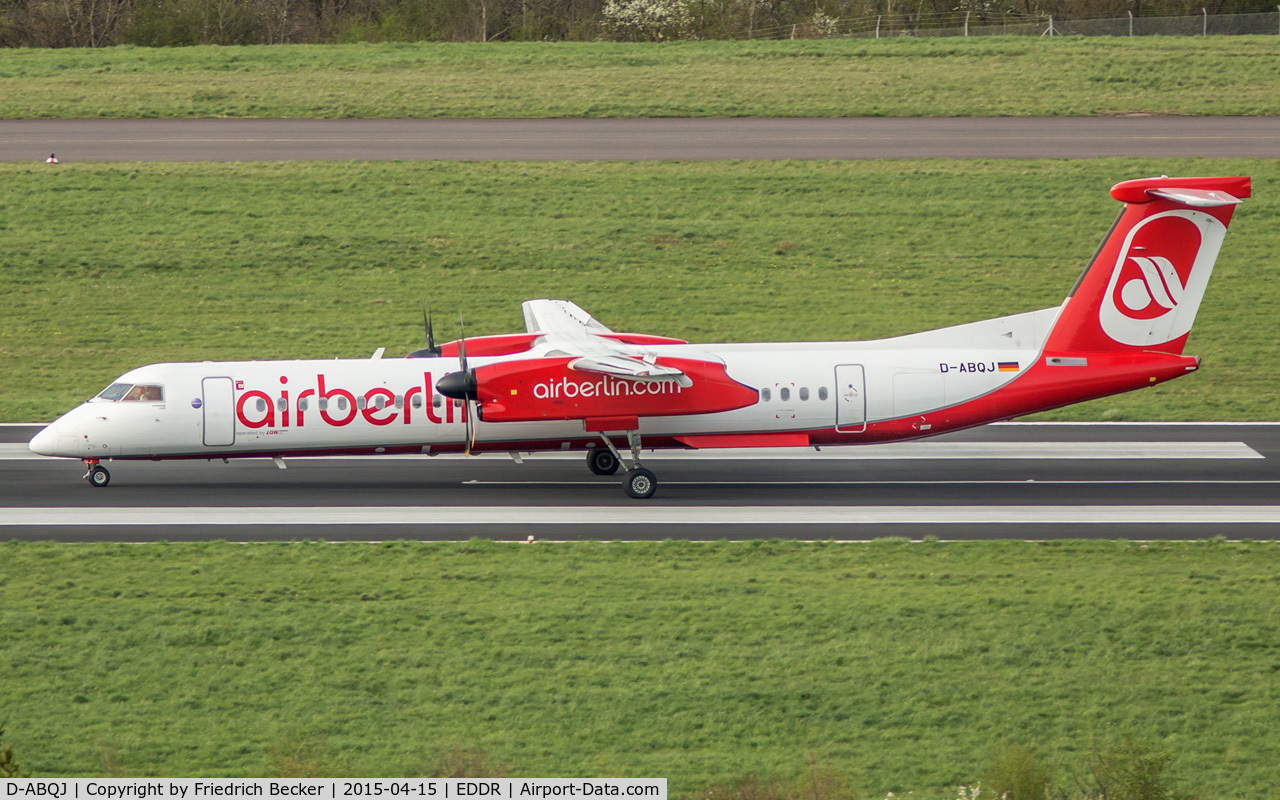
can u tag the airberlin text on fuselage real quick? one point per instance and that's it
(605, 387)
(283, 412)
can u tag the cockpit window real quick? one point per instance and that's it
(145, 393)
(115, 391)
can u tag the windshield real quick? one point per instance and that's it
(143, 393)
(115, 391)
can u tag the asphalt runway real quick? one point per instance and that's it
(637, 139)
(1024, 481)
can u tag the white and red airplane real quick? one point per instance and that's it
(570, 383)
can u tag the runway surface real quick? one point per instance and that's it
(1028, 481)
(637, 139)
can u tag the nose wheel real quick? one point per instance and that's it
(639, 483)
(97, 474)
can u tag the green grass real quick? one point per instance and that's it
(109, 267)
(901, 666)
(1015, 76)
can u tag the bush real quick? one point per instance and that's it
(1127, 771)
(819, 782)
(749, 788)
(460, 762)
(1017, 773)
(8, 767)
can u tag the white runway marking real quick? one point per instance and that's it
(921, 450)
(1023, 482)
(430, 516)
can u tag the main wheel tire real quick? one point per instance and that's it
(99, 477)
(641, 484)
(602, 462)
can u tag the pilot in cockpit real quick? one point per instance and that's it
(144, 394)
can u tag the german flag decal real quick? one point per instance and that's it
(1008, 366)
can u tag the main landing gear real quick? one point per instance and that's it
(602, 462)
(97, 474)
(639, 483)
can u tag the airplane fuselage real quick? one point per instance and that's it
(801, 394)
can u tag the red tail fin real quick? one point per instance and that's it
(1143, 286)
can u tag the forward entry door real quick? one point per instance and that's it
(219, 406)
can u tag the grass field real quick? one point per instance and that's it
(109, 267)
(1015, 76)
(900, 666)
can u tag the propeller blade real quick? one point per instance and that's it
(461, 385)
(431, 350)
(462, 343)
(431, 334)
(469, 413)
(470, 378)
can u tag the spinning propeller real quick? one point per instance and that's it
(432, 350)
(461, 385)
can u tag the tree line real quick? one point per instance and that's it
(171, 23)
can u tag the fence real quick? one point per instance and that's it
(964, 24)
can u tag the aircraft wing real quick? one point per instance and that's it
(571, 331)
(560, 317)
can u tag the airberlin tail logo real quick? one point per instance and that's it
(1160, 287)
(1160, 276)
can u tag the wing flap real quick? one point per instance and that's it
(629, 369)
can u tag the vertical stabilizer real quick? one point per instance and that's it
(1143, 286)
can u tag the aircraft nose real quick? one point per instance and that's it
(45, 443)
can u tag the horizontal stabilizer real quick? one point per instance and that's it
(1196, 198)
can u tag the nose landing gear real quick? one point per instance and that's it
(97, 474)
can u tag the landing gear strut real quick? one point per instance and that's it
(639, 483)
(97, 474)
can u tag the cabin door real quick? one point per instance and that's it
(219, 407)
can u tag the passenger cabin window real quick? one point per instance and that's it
(766, 395)
(822, 393)
(804, 392)
(784, 394)
(144, 393)
(115, 391)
